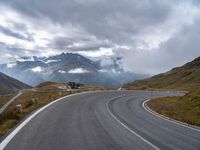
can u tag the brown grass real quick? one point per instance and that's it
(185, 109)
(11, 117)
(5, 98)
(175, 80)
(49, 84)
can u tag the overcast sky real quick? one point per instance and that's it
(151, 36)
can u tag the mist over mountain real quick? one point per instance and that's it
(67, 67)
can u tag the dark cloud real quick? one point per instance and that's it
(150, 36)
(61, 43)
(66, 43)
(9, 32)
(183, 47)
(105, 18)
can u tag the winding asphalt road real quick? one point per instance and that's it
(103, 121)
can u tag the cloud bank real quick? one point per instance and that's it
(148, 36)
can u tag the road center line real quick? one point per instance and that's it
(126, 127)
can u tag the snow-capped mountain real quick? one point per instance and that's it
(66, 67)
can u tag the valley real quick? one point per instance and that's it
(68, 67)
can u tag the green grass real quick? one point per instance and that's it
(186, 77)
(185, 108)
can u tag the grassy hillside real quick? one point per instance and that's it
(50, 84)
(186, 108)
(186, 77)
(9, 85)
(5, 98)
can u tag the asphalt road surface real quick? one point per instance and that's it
(103, 121)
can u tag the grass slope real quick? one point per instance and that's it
(11, 117)
(5, 98)
(186, 77)
(186, 108)
(49, 84)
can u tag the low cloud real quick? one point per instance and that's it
(78, 71)
(149, 36)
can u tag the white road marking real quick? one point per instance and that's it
(167, 118)
(125, 126)
(5, 142)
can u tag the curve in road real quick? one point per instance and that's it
(102, 121)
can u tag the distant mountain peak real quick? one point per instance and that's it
(67, 67)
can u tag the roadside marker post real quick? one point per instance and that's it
(19, 108)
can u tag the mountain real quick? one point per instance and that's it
(186, 77)
(8, 84)
(67, 67)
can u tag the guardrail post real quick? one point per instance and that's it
(34, 100)
(19, 108)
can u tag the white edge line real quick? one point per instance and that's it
(167, 118)
(4, 143)
(125, 126)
